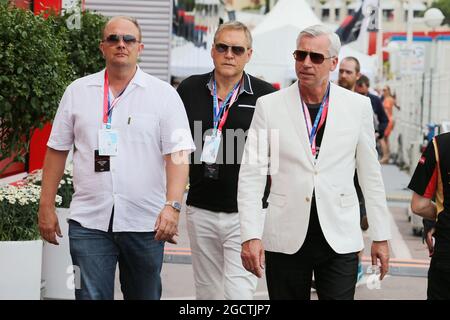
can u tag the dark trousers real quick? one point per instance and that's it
(439, 279)
(289, 276)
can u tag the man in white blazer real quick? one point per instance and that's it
(310, 137)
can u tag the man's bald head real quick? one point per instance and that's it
(132, 20)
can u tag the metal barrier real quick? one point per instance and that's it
(423, 99)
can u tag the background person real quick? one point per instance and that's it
(432, 181)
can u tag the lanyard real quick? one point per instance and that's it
(318, 122)
(218, 108)
(107, 104)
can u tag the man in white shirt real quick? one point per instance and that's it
(131, 143)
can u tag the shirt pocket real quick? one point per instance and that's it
(346, 132)
(142, 127)
(278, 200)
(349, 200)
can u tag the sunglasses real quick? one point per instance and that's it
(114, 39)
(222, 47)
(316, 58)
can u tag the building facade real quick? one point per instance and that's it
(333, 12)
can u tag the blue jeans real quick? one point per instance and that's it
(96, 254)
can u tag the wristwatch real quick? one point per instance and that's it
(174, 204)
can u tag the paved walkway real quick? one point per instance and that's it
(408, 269)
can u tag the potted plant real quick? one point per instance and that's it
(57, 271)
(20, 244)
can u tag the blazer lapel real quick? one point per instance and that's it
(294, 107)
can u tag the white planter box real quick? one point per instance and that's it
(57, 263)
(20, 270)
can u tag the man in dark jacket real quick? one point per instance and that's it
(381, 120)
(431, 180)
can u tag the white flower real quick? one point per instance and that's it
(58, 199)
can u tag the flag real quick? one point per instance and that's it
(350, 28)
(356, 28)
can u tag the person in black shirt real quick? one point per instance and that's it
(349, 73)
(381, 120)
(220, 107)
(431, 180)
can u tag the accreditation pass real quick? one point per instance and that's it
(107, 142)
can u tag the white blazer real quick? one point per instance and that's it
(278, 136)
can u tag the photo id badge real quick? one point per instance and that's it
(107, 142)
(211, 148)
(101, 163)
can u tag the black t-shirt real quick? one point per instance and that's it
(219, 195)
(382, 119)
(431, 180)
(313, 109)
(314, 229)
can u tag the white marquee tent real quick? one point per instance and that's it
(274, 41)
(188, 59)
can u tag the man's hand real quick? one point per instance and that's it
(252, 256)
(49, 225)
(430, 242)
(166, 225)
(380, 251)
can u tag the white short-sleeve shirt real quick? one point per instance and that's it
(151, 122)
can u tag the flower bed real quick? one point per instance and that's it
(65, 187)
(19, 205)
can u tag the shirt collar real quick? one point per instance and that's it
(247, 87)
(98, 78)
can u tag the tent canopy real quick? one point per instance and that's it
(188, 59)
(274, 41)
(287, 12)
(368, 63)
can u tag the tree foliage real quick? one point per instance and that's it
(82, 44)
(39, 58)
(444, 6)
(34, 71)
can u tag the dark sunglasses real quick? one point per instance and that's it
(114, 39)
(316, 58)
(222, 47)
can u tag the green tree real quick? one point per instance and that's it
(34, 71)
(82, 43)
(444, 6)
(39, 58)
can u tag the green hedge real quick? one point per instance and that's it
(82, 44)
(39, 58)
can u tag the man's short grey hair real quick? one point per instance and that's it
(235, 25)
(319, 30)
